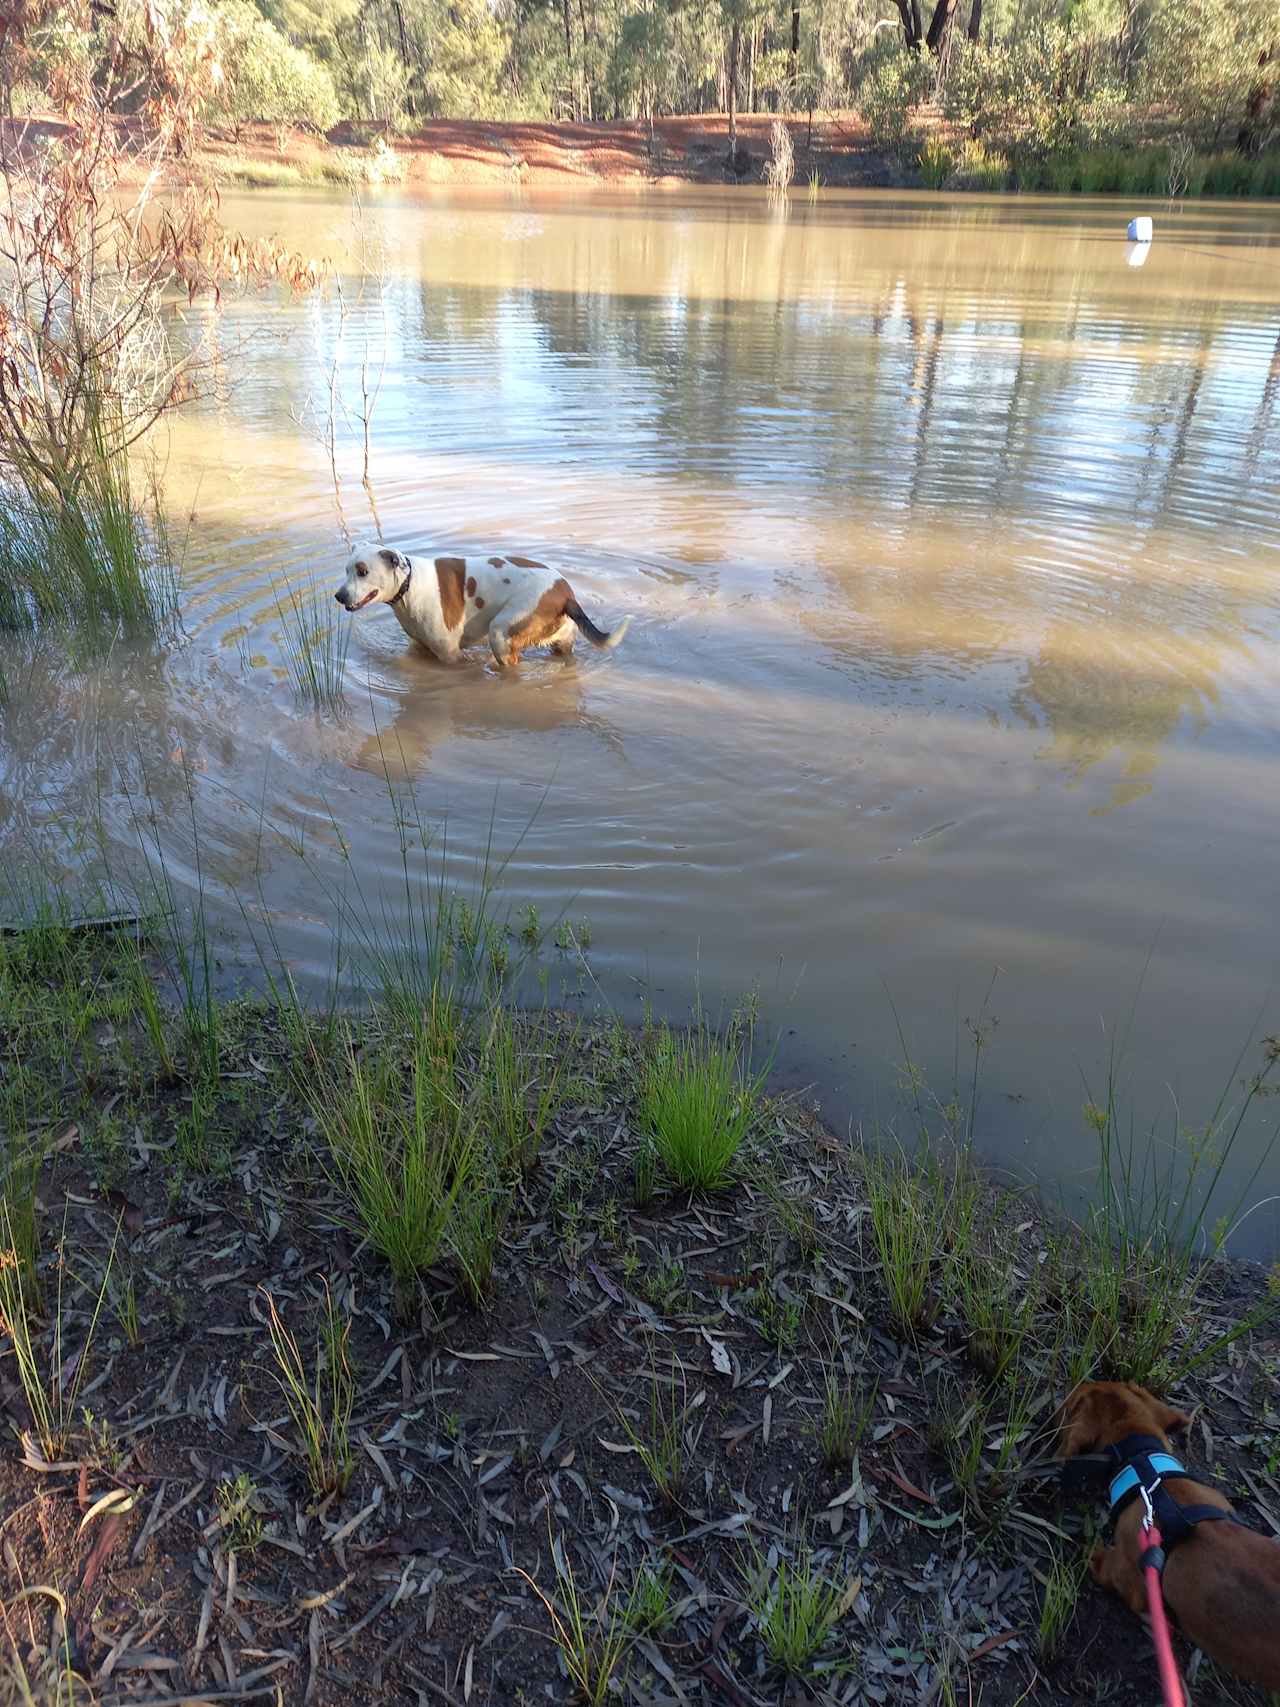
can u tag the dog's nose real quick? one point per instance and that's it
(339, 597)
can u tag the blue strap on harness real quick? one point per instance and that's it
(1143, 1466)
(1163, 1463)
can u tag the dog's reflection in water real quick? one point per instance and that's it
(437, 703)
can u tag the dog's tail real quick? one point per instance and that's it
(574, 611)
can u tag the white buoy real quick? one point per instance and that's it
(1140, 229)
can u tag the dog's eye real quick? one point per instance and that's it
(362, 568)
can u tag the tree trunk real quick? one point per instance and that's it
(940, 26)
(1259, 106)
(975, 21)
(909, 12)
(403, 36)
(568, 54)
(735, 48)
(586, 108)
(751, 71)
(795, 42)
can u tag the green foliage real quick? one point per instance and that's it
(266, 77)
(1202, 61)
(698, 1101)
(1041, 93)
(892, 85)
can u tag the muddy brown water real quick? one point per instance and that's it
(950, 536)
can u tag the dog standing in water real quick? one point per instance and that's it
(446, 603)
(1221, 1580)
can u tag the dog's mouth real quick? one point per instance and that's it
(366, 600)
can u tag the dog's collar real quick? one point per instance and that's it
(404, 585)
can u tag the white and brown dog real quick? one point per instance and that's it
(446, 603)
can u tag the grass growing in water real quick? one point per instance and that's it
(315, 636)
(699, 1099)
(92, 563)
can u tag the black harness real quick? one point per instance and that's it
(404, 585)
(1135, 1468)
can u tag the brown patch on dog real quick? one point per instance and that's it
(545, 617)
(471, 586)
(451, 572)
(479, 604)
(527, 563)
(496, 562)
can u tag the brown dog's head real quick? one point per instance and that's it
(1099, 1413)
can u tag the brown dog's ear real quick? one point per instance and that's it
(1079, 1422)
(1171, 1421)
(1165, 1418)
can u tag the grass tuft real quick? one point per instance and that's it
(699, 1100)
(593, 1641)
(91, 562)
(321, 1405)
(795, 1607)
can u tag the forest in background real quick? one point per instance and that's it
(1012, 80)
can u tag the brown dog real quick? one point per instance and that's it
(1223, 1581)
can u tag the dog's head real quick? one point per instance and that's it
(1099, 1413)
(373, 572)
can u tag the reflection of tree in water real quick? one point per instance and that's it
(1104, 687)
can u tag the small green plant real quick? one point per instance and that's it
(794, 1607)
(239, 1519)
(846, 1416)
(593, 1641)
(51, 1374)
(650, 1606)
(315, 636)
(86, 558)
(320, 1405)
(815, 185)
(908, 1212)
(404, 1152)
(517, 1091)
(780, 1320)
(983, 1443)
(572, 938)
(1058, 1603)
(666, 1440)
(193, 1132)
(531, 929)
(644, 1174)
(124, 1307)
(936, 163)
(699, 1100)
(665, 1285)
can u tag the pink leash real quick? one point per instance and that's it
(1152, 1567)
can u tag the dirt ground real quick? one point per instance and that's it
(631, 1423)
(691, 149)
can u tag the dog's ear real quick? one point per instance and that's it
(1163, 1416)
(392, 559)
(1079, 1421)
